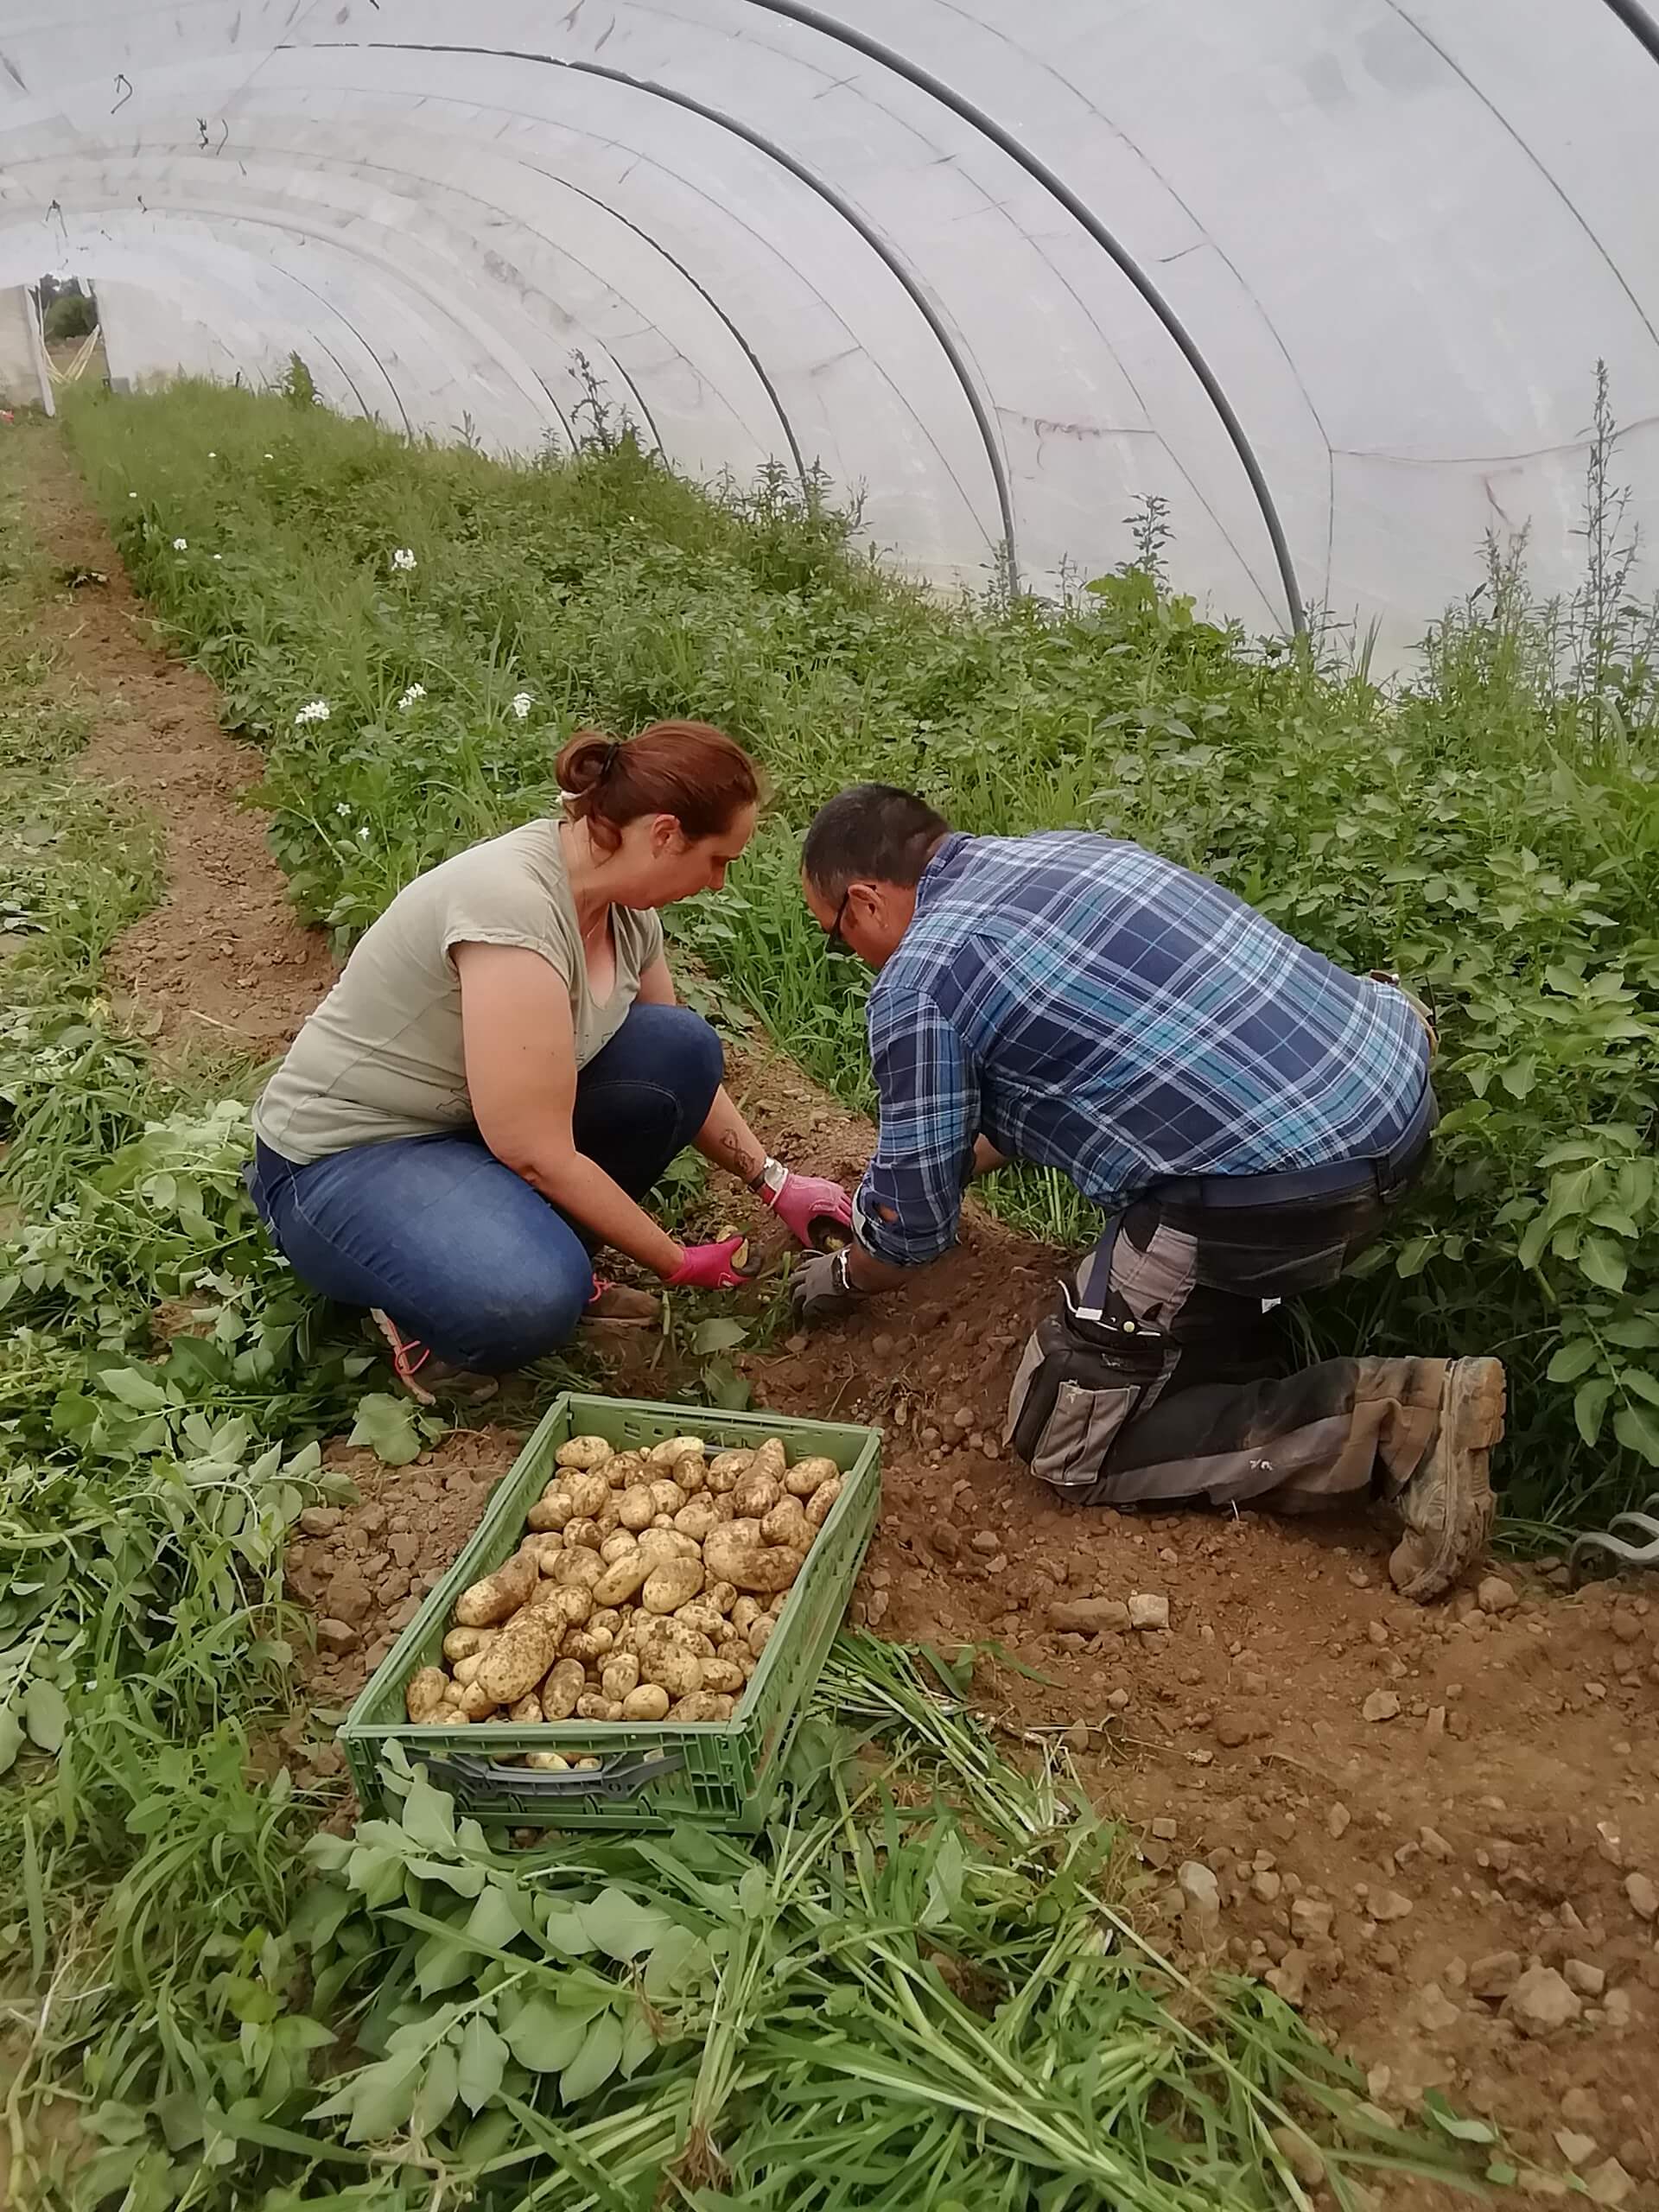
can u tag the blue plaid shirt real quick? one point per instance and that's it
(1090, 1007)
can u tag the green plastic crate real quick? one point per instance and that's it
(656, 1774)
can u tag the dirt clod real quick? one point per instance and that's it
(1089, 1616)
(1497, 1596)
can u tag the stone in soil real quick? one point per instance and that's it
(1381, 1705)
(336, 1637)
(1644, 1896)
(1542, 2003)
(1494, 1976)
(1495, 1595)
(1148, 1610)
(1088, 1616)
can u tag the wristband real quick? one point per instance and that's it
(841, 1273)
(772, 1177)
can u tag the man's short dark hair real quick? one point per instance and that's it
(874, 833)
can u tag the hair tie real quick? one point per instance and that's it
(613, 753)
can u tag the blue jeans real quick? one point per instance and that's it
(459, 1251)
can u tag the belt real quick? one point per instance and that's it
(1370, 1175)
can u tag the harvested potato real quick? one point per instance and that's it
(692, 1476)
(770, 1459)
(543, 1549)
(586, 1534)
(427, 1690)
(667, 1496)
(658, 1628)
(726, 1466)
(678, 1672)
(619, 1467)
(547, 1762)
(525, 1708)
(702, 1705)
(624, 1576)
(668, 1543)
(787, 1524)
(498, 1595)
(649, 1701)
(804, 1476)
(702, 1617)
(462, 1643)
(758, 1632)
(735, 1648)
(775, 1605)
(697, 1518)
(477, 1704)
(723, 1503)
(586, 1644)
(671, 1586)
(634, 1509)
(674, 1448)
(563, 1686)
(466, 1670)
(583, 1454)
(744, 1527)
(640, 1475)
(662, 1520)
(743, 1612)
(754, 1494)
(823, 1499)
(530, 1644)
(593, 1706)
(589, 1494)
(723, 1596)
(577, 1565)
(617, 1545)
(552, 1509)
(722, 1674)
(605, 1616)
(620, 1674)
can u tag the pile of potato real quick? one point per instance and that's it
(645, 1589)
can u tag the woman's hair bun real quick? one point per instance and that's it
(583, 761)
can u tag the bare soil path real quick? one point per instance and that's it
(1430, 1883)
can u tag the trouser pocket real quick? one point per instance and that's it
(1072, 1398)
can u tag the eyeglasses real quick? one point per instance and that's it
(833, 931)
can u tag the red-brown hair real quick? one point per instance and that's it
(690, 770)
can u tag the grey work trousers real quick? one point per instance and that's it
(1161, 1382)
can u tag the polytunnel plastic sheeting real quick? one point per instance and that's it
(1331, 276)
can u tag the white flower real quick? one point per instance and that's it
(403, 557)
(132, 495)
(181, 545)
(316, 711)
(363, 835)
(344, 811)
(521, 703)
(271, 456)
(415, 691)
(212, 456)
(218, 557)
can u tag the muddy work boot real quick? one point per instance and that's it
(1447, 1505)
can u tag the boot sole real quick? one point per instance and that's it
(1472, 1423)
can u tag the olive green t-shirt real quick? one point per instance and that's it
(382, 1055)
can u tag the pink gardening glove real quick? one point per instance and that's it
(806, 1198)
(710, 1267)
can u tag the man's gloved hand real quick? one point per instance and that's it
(799, 1200)
(711, 1267)
(822, 1289)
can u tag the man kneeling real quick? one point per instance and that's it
(1249, 1115)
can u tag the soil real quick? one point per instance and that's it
(224, 955)
(1407, 1811)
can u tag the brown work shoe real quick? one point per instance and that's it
(616, 1305)
(1447, 1505)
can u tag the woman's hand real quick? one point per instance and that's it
(710, 1267)
(800, 1201)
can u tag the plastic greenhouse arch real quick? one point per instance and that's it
(1330, 278)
